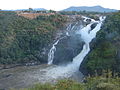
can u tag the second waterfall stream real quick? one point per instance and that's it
(56, 72)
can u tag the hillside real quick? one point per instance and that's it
(23, 40)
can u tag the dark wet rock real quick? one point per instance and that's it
(67, 49)
(88, 20)
(93, 25)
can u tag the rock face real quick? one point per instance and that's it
(93, 26)
(67, 49)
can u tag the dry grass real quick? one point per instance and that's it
(34, 15)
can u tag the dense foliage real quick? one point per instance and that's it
(78, 13)
(106, 50)
(23, 40)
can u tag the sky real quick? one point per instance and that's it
(56, 4)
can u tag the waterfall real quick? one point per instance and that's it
(51, 53)
(67, 30)
(74, 26)
(87, 35)
(87, 38)
(53, 49)
(70, 28)
(85, 19)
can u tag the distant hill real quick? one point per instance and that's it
(90, 9)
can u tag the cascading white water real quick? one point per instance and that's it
(87, 38)
(68, 70)
(51, 53)
(52, 73)
(68, 28)
(53, 49)
(85, 19)
(74, 26)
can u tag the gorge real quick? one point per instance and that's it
(77, 37)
